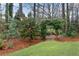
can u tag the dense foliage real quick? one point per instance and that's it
(72, 31)
(57, 25)
(28, 28)
(43, 30)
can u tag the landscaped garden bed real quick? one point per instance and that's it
(19, 44)
(24, 43)
(50, 48)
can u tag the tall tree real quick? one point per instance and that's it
(11, 10)
(20, 7)
(68, 20)
(72, 16)
(6, 12)
(63, 10)
(0, 12)
(63, 14)
(34, 10)
(76, 20)
(43, 10)
(52, 9)
(19, 14)
(38, 10)
(49, 10)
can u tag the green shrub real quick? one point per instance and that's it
(11, 31)
(28, 28)
(57, 25)
(22, 28)
(43, 30)
(71, 33)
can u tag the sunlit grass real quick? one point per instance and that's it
(50, 48)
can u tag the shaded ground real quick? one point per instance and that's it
(20, 44)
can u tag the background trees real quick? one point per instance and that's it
(45, 11)
(0, 12)
(63, 10)
(38, 19)
(19, 14)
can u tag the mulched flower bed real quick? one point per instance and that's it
(18, 44)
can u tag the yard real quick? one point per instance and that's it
(39, 29)
(50, 48)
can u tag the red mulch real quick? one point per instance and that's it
(18, 44)
(69, 39)
(62, 38)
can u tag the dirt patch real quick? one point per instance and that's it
(19, 44)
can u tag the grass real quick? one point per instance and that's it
(50, 48)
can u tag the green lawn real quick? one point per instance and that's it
(50, 48)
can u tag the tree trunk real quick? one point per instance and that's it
(38, 7)
(52, 10)
(43, 10)
(0, 13)
(76, 20)
(72, 17)
(63, 10)
(6, 12)
(11, 10)
(34, 11)
(68, 20)
(49, 11)
(63, 14)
